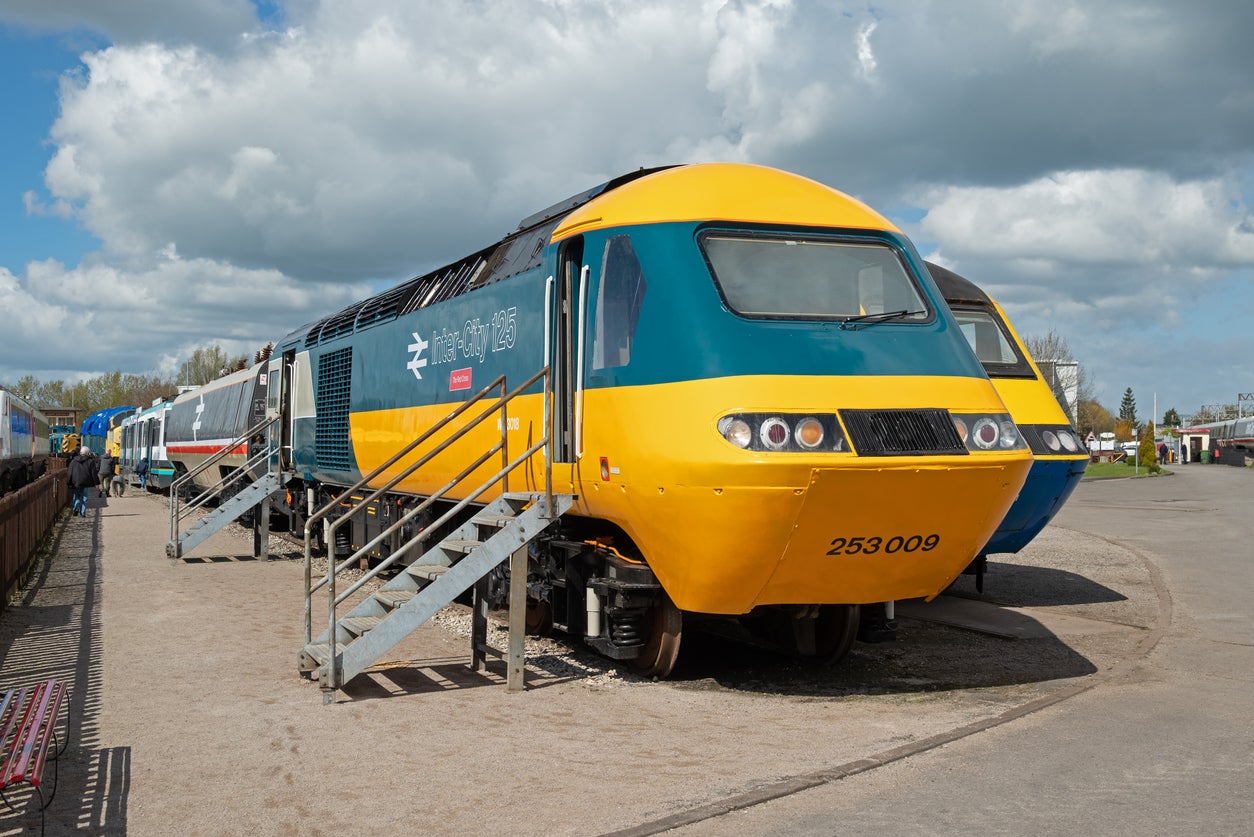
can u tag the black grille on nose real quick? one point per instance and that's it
(902, 432)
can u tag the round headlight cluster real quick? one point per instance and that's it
(783, 432)
(1061, 440)
(991, 432)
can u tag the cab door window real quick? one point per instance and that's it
(619, 297)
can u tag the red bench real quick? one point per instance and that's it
(28, 721)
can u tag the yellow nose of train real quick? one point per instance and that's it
(727, 529)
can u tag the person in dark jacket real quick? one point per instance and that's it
(82, 471)
(107, 466)
(141, 471)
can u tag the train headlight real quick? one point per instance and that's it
(784, 432)
(736, 431)
(986, 433)
(809, 433)
(774, 433)
(1068, 441)
(1050, 438)
(989, 432)
(1009, 434)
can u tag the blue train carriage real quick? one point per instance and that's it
(24, 442)
(762, 404)
(143, 438)
(97, 429)
(203, 421)
(1058, 450)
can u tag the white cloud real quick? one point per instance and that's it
(1091, 218)
(138, 316)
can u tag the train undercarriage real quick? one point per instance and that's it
(586, 579)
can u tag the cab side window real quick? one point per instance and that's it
(619, 297)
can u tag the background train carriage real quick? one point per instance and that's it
(99, 426)
(202, 421)
(760, 402)
(1060, 457)
(143, 437)
(1231, 441)
(24, 442)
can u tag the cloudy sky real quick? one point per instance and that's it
(175, 174)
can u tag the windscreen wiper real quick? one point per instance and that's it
(882, 317)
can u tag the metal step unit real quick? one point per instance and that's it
(225, 514)
(444, 571)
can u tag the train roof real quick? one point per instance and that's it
(957, 289)
(736, 192)
(517, 252)
(97, 424)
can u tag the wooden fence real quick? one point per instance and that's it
(26, 515)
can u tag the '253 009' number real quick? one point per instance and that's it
(873, 544)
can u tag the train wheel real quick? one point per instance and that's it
(659, 655)
(827, 637)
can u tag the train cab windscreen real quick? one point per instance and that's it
(996, 352)
(787, 277)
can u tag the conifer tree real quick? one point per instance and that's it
(1127, 407)
(1147, 453)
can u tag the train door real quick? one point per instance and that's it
(283, 406)
(567, 336)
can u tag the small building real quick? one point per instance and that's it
(62, 415)
(1194, 441)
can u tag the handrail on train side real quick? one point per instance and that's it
(502, 475)
(176, 514)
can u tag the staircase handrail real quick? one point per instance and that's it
(176, 515)
(333, 569)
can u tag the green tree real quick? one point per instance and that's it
(1127, 408)
(207, 364)
(1092, 417)
(1147, 452)
(1171, 418)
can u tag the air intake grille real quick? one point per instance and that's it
(335, 373)
(902, 432)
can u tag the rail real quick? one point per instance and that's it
(499, 405)
(180, 510)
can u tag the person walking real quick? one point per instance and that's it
(107, 464)
(141, 471)
(82, 476)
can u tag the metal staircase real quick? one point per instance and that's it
(418, 592)
(426, 581)
(240, 494)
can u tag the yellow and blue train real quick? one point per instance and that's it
(1060, 456)
(761, 402)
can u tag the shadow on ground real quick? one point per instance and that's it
(53, 630)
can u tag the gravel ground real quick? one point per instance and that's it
(188, 716)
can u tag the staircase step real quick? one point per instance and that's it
(394, 598)
(454, 545)
(430, 572)
(320, 651)
(494, 520)
(358, 625)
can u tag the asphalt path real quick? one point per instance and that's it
(1166, 746)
